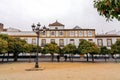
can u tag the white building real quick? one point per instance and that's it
(58, 34)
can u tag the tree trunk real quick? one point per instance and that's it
(30, 58)
(115, 58)
(87, 57)
(8, 57)
(92, 58)
(70, 57)
(105, 58)
(15, 56)
(3, 57)
(52, 57)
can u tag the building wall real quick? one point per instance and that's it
(68, 36)
(106, 40)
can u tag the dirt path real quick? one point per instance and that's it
(61, 71)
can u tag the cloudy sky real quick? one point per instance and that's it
(22, 14)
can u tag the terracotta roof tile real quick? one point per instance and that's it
(56, 24)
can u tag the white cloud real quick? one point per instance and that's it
(22, 13)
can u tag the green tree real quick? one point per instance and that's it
(18, 47)
(104, 51)
(93, 49)
(86, 47)
(4, 36)
(15, 46)
(10, 46)
(70, 49)
(108, 8)
(51, 48)
(83, 47)
(61, 51)
(3, 47)
(115, 49)
(28, 49)
(43, 51)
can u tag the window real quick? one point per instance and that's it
(109, 42)
(52, 33)
(56, 27)
(43, 32)
(43, 42)
(85, 33)
(53, 40)
(89, 33)
(33, 41)
(61, 43)
(81, 33)
(90, 40)
(60, 33)
(100, 42)
(71, 33)
(71, 41)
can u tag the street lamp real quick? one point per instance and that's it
(37, 29)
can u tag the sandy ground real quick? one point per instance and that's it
(60, 71)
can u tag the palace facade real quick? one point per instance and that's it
(56, 32)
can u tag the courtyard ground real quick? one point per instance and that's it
(60, 71)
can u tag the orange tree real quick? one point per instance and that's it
(51, 48)
(93, 49)
(108, 8)
(3, 47)
(104, 50)
(3, 44)
(86, 47)
(115, 49)
(70, 49)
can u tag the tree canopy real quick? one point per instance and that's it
(86, 47)
(108, 8)
(51, 48)
(104, 50)
(115, 48)
(3, 46)
(69, 48)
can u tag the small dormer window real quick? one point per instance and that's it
(56, 27)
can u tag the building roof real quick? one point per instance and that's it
(77, 27)
(22, 33)
(68, 29)
(111, 32)
(56, 24)
(13, 30)
(107, 35)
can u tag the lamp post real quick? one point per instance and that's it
(37, 29)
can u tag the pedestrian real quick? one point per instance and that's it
(58, 58)
(65, 58)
